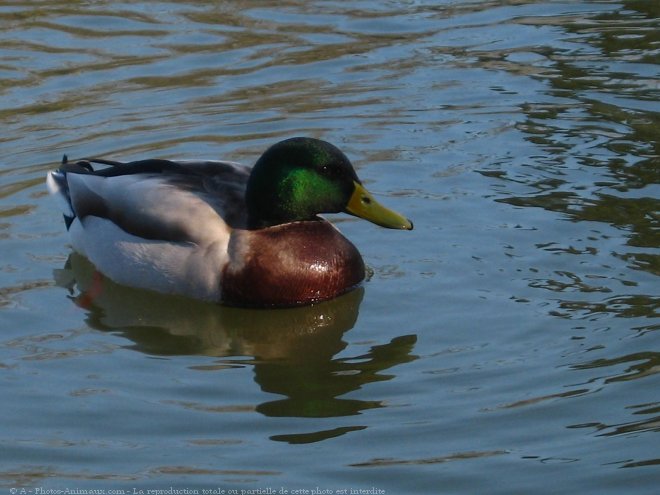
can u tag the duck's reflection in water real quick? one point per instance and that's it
(291, 350)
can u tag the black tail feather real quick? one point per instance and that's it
(115, 168)
(103, 161)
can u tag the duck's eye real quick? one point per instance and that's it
(329, 170)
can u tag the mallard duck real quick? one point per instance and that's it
(218, 231)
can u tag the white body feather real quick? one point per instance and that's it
(191, 267)
(163, 266)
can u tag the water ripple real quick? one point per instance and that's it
(518, 323)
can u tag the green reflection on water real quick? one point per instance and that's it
(291, 350)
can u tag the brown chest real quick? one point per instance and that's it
(288, 265)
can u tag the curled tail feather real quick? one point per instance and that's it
(58, 186)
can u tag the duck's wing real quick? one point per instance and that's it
(179, 201)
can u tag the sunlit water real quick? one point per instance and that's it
(509, 344)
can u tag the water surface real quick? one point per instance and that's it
(508, 344)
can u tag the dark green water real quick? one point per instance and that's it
(509, 344)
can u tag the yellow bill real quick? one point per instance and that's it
(362, 204)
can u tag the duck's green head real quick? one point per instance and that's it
(299, 178)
